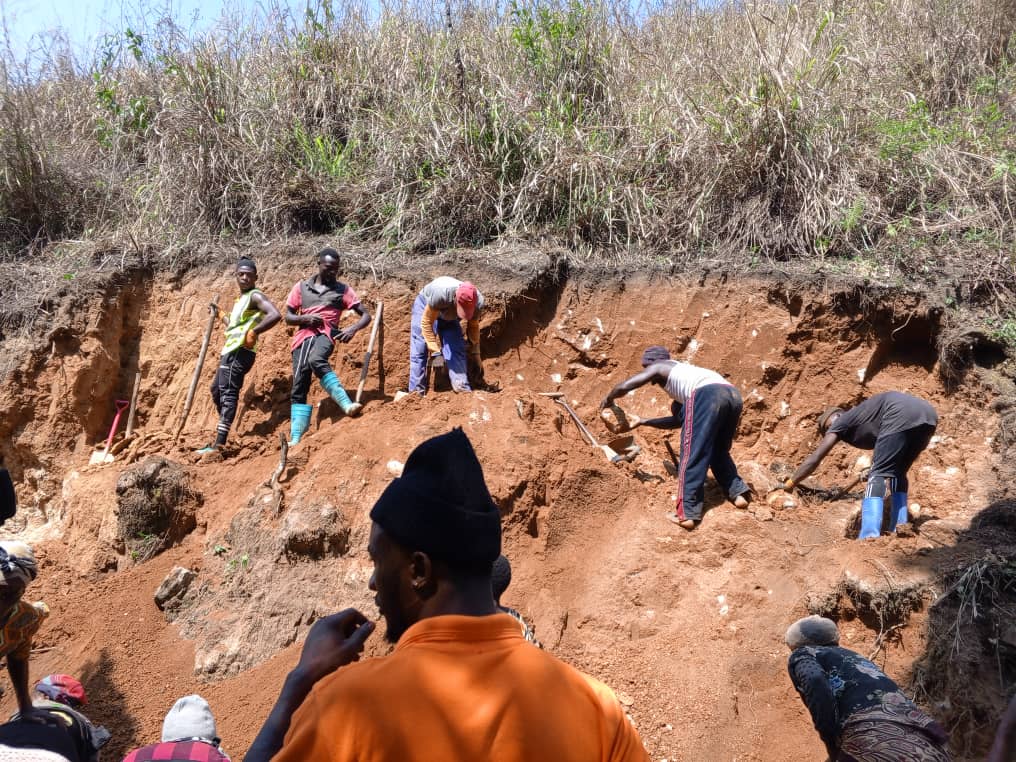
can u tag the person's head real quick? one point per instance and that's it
(328, 265)
(828, 418)
(435, 534)
(190, 719)
(500, 578)
(18, 568)
(62, 689)
(246, 273)
(653, 355)
(813, 630)
(8, 497)
(466, 297)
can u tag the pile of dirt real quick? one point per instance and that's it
(155, 507)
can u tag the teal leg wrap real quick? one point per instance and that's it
(299, 420)
(899, 502)
(331, 384)
(871, 518)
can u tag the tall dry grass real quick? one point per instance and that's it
(879, 132)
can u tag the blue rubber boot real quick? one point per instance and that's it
(871, 518)
(899, 501)
(331, 384)
(299, 420)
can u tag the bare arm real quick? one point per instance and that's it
(332, 643)
(272, 315)
(669, 422)
(812, 461)
(18, 669)
(303, 321)
(348, 333)
(657, 372)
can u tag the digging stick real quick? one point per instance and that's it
(213, 309)
(370, 350)
(134, 406)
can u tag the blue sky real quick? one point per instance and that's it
(29, 23)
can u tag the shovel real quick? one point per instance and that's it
(617, 450)
(104, 456)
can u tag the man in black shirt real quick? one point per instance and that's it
(897, 427)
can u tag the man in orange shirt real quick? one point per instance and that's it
(462, 683)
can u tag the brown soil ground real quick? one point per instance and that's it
(686, 627)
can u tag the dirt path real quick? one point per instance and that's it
(687, 628)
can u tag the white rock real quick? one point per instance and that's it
(395, 467)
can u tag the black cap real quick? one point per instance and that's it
(441, 505)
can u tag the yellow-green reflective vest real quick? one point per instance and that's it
(241, 319)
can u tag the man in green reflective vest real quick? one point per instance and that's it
(252, 314)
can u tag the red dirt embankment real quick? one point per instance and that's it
(686, 627)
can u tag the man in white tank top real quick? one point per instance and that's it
(707, 407)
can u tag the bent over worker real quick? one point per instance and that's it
(315, 306)
(253, 313)
(708, 408)
(435, 332)
(897, 426)
(462, 683)
(19, 620)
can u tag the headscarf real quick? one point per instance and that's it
(63, 689)
(813, 630)
(441, 505)
(17, 561)
(823, 420)
(654, 354)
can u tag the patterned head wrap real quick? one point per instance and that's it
(17, 561)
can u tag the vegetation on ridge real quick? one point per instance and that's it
(879, 132)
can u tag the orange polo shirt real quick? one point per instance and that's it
(461, 689)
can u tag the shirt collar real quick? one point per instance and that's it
(458, 628)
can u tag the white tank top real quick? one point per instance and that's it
(685, 378)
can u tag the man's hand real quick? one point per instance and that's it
(436, 360)
(311, 321)
(346, 334)
(334, 642)
(250, 339)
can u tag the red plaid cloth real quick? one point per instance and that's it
(177, 751)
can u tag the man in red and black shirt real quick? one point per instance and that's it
(315, 307)
(188, 735)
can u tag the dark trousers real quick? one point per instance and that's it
(226, 385)
(894, 455)
(310, 357)
(711, 415)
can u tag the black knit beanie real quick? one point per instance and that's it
(441, 506)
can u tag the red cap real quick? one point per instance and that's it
(63, 689)
(465, 300)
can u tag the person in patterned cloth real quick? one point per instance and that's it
(859, 712)
(19, 620)
(188, 735)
